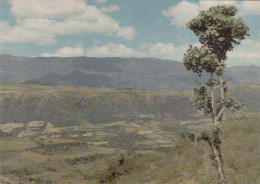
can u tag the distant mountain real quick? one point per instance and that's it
(138, 73)
(244, 74)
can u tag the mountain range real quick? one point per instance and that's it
(112, 72)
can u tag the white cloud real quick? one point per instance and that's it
(110, 9)
(113, 50)
(251, 7)
(127, 33)
(108, 50)
(45, 19)
(67, 52)
(92, 21)
(247, 53)
(101, 1)
(184, 11)
(180, 14)
(166, 51)
(249, 50)
(47, 8)
(205, 4)
(160, 50)
(20, 34)
(157, 50)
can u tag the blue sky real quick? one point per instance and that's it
(114, 28)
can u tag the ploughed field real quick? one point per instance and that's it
(67, 134)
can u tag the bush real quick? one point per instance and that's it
(118, 166)
(83, 159)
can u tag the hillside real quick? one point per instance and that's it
(136, 73)
(49, 110)
(69, 134)
(65, 105)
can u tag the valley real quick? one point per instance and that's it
(68, 134)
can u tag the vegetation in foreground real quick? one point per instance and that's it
(189, 163)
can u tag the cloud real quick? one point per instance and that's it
(101, 1)
(47, 8)
(251, 7)
(21, 35)
(110, 9)
(184, 11)
(166, 50)
(66, 52)
(127, 33)
(160, 50)
(180, 14)
(91, 22)
(246, 53)
(248, 50)
(156, 50)
(113, 50)
(108, 50)
(205, 4)
(46, 19)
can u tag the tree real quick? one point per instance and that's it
(218, 31)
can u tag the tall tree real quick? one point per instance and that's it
(218, 31)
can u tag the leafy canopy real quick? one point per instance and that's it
(219, 31)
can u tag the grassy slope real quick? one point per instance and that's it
(66, 105)
(191, 164)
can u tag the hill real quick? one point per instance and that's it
(136, 73)
(70, 105)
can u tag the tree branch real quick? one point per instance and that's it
(212, 97)
(199, 136)
(220, 114)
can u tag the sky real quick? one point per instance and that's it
(115, 28)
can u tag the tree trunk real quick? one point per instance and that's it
(215, 146)
(215, 140)
(222, 87)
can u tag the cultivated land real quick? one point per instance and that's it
(67, 134)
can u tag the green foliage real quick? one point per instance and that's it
(201, 59)
(219, 29)
(202, 98)
(231, 103)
